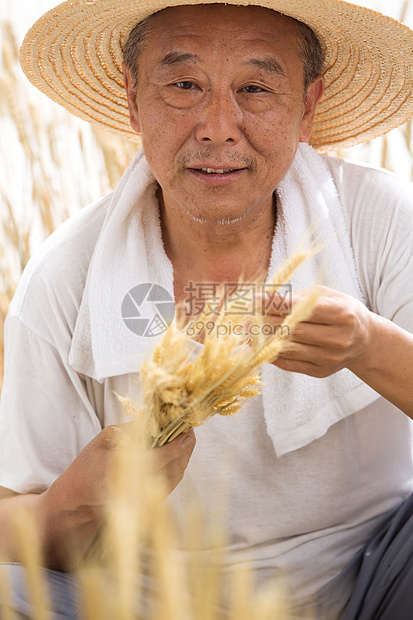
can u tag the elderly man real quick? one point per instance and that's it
(225, 99)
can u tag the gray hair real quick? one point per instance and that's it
(311, 52)
(135, 44)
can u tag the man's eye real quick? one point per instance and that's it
(185, 85)
(251, 88)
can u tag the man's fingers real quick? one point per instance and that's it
(279, 307)
(114, 436)
(171, 460)
(320, 336)
(175, 454)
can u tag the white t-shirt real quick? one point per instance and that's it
(306, 513)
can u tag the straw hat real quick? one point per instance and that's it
(73, 53)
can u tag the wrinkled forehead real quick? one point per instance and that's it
(227, 27)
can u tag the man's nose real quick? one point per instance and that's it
(220, 119)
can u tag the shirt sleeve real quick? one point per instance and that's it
(393, 284)
(378, 208)
(38, 440)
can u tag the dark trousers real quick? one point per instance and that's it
(384, 586)
(383, 589)
(62, 590)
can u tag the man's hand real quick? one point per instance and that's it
(86, 479)
(343, 333)
(72, 508)
(336, 336)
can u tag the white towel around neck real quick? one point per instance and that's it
(298, 409)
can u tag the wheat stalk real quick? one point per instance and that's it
(30, 555)
(6, 608)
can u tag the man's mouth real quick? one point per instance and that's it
(216, 176)
(216, 170)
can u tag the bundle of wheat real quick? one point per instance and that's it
(182, 388)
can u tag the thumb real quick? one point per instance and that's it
(184, 444)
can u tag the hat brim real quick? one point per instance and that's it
(73, 54)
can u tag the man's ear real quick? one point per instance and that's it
(314, 94)
(131, 96)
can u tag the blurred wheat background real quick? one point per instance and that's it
(52, 164)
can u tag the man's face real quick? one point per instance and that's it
(220, 108)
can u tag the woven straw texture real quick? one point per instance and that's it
(73, 53)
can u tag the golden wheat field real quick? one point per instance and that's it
(52, 164)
